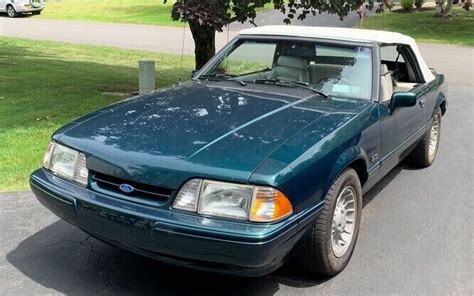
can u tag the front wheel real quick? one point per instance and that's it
(329, 244)
(425, 152)
(11, 12)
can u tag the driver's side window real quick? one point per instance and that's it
(250, 57)
(397, 72)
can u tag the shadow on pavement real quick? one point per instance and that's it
(65, 259)
(26, 15)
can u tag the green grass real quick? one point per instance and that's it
(46, 84)
(151, 12)
(424, 27)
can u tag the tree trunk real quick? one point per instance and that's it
(449, 8)
(467, 5)
(204, 43)
(440, 8)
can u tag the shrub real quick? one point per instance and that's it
(406, 4)
(419, 3)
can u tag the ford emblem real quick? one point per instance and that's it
(126, 188)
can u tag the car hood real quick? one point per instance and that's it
(195, 129)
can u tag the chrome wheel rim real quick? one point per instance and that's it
(343, 221)
(10, 11)
(434, 136)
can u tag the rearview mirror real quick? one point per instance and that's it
(402, 99)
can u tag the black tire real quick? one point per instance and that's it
(315, 252)
(11, 12)
(422, 156)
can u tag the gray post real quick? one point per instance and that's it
(146, 77)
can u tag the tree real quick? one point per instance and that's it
(445, 8)
(447, 11)
(205, 17)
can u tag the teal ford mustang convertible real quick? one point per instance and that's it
(263, 156)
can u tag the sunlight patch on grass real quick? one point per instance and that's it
(153, 12)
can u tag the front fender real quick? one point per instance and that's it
(349, 156)
(306, 165)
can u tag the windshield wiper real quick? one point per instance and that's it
(290, 83)
(220, 77)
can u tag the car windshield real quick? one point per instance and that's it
(332, 70)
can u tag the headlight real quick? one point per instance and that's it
(66, 162)
(234, 201)
(225, 200)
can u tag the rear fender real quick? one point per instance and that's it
(441, 98)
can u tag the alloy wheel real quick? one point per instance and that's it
(434, 136)
(343, 221)
(11, 11)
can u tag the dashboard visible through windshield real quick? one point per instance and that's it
(330, 69)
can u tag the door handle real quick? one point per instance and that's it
(422, 102)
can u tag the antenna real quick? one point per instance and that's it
(182, 54)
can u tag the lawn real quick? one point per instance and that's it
(151, 12)
(423, 26)
(47, 84)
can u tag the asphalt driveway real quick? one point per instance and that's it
(416, 232)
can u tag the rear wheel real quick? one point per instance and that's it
(11, 12)
(329, 244)
(425, 152)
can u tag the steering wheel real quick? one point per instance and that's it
(339, 79)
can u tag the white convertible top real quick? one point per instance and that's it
(344, 34)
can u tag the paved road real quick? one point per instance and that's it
(416, 232)
(143, 37)
(273, 17)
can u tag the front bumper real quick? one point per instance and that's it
(26, 9)
(240, 248)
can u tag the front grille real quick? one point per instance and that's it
(112, 184)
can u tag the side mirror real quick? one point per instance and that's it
(402, 99)
(193, 73)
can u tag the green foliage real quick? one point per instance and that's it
(219, 13)
(47, 84)
(205, 17)
(407, 4)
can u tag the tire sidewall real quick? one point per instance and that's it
(348, 178)
(431, 159)
(11, 8)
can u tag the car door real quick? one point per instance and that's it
(400, 127)
(2, 5)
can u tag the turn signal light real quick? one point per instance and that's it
(269, 205)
